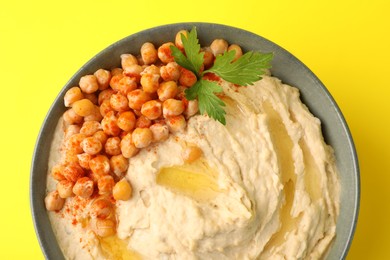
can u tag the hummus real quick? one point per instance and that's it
(266, 187)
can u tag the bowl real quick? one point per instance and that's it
(284, 66)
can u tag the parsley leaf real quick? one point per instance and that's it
(244, 71)
(209, 103)
(193, 58)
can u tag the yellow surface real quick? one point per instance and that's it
(346, 43)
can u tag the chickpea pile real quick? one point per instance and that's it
(112, 114)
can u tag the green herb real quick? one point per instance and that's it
(244, 71)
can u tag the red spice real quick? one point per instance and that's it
(212, 77)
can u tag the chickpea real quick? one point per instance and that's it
(208, 58)
(91, 145)
(95, 116)
(137, 98)
(73, 143)
(105, 107)
(166, 90)
(90, 127)
(142, 137)
(65, 189)
(152, 69)
(70, 157)
(71, 130)
(143, 122)
(101, 136)
(160, 132)
(192, 108)
(164, 52)
(72, 95)
(151, 109)
(150, 82)
(114, 81)
(100, 165)
(134, 71)
(127, 147)
(105, 184)
(237, 49)
(57, 172)
(119, 164)
(103, 78)
(83, 187)
(191, 153)
(126, 121)
(171, 71)
(105, 94)
(112, 146)
(92, 97)
(119, 102)
(148, 53)
(101, 207)
(187, 78)
(116, 71)
(83, 107)
(105, 227)
(125, 85)
(178, 38)
(89, 84)
(127, 60)
(109, 124)
(71, 117)
(73, 171)
(172, 107)
(218, 46)
(83, 160)
(176, 123)
(53, 201)
(122, 190)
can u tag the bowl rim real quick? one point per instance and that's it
(36, 201)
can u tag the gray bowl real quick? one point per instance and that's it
(284, 66)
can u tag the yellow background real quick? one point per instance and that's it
(345, 43)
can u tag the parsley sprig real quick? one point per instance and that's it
(244, 71)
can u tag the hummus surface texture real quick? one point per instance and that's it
(266, 186)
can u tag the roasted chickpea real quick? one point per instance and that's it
(105, 94)
(72, 95)
(53, 201)
(172, 107)
(119, 102)
(70, 117)
(192, 108)
(218, 46)
(126, 121)
(103, 78)
(71, 130)
(208, 58)
(142, 137)
(127, 60)
(150, 82)
(151, 69)
(83, 187)
(187, 78)
(170, 72)
(237, 49)
(100, 165)
(119, 164)
(105, 184)
(57, 172)
(83, 107)
(151, 109)
(101, 207)
(125, 85)
(137, 98)
(112, 146)
(83, 160)
(65, 189)
(105, 107)
(116, 71)
(109, 124)
(89, 84)
(95, 115)
(148, 53)
(128, 149)
(164, 52)
(178, 38)
(101, 136)
(122, 190)
(134, 71)
(91, 145)
(73, 171)
(90, 127)
(160, 132)
(73, 143)
(176, 123)
(166, 90)
(143, 122)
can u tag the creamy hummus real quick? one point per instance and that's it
(266, 186)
